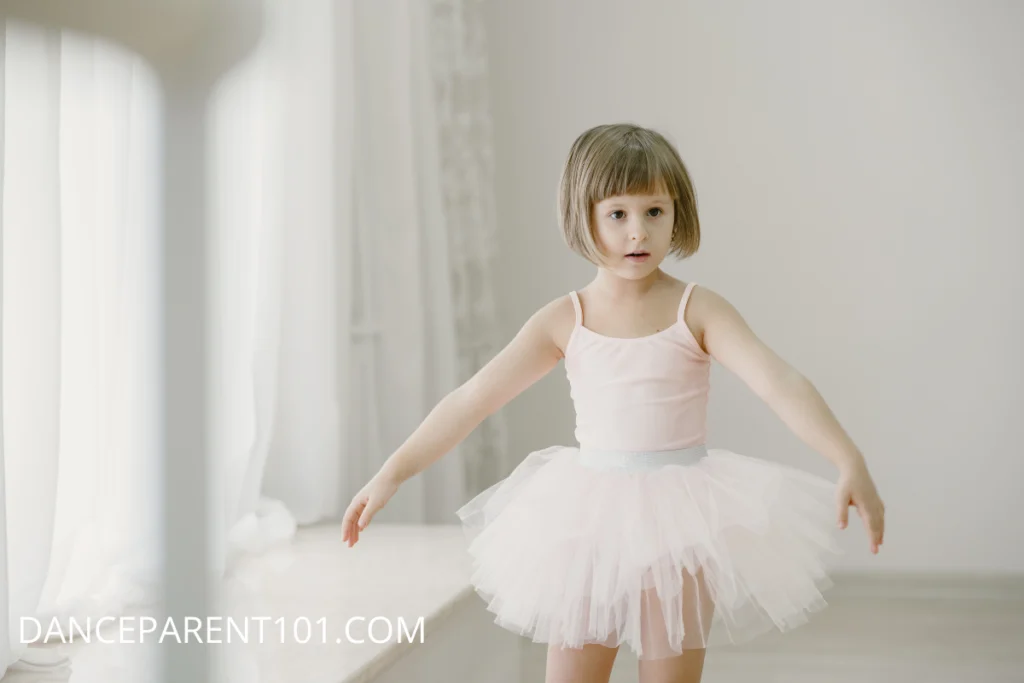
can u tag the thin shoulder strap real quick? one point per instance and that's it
(576, 305)
(686, 297)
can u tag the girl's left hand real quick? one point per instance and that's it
(856, 488)
(377, 492)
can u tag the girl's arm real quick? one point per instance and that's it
(528, 357)
(730, 341)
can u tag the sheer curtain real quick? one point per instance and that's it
(422, 240)
(353, 229)
(77, 261)
(79, 237)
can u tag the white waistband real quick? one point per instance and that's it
(631, 460)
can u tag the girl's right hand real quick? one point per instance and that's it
(857, 488)
(364, 506)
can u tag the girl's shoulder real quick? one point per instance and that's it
(556, 320)
(694, 311)
(562, 321)
(697, 309)
(692, 301)
(707, 308)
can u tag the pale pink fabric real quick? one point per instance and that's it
(642, 393)
(642, 535)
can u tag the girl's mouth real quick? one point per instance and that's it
(638, 256)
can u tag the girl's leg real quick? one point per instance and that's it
(684, 668)
(590, 664)
(698, 611)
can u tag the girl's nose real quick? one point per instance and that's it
(638, 231)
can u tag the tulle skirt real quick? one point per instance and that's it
(664, 551)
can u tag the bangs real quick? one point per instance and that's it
(620, 159)
(635, 168)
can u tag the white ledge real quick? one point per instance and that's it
(401, 573)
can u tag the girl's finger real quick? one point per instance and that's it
(869, 524)
(351, 533)
(346, 524)
(872, 525)
(844, 510)
(367, 515)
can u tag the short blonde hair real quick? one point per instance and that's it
(620, 159)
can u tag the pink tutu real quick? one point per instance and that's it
(665, 551)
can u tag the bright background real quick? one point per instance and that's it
(858, 173)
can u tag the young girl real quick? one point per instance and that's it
(641, 534)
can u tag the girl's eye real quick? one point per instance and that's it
(614, 215)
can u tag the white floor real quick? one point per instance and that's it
(860, 639)
(876, 630)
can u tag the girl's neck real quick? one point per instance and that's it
(624, 289)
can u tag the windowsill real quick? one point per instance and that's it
(400, 573)
(397, 573)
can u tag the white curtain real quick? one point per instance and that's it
(77, 363)
(79, 229)
(304, 468)
(422, 235)
(353, 231)
(464, 169)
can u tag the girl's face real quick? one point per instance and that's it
(634, 232)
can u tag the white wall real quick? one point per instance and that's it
(859, 173)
